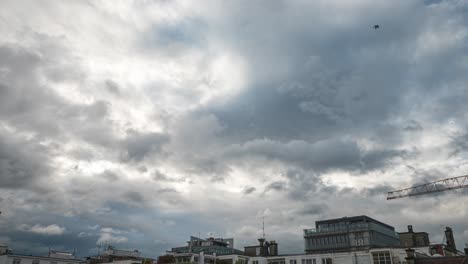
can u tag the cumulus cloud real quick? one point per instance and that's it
(49, 230)
(110, 235)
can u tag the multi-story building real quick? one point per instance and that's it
(218, 246)
(413, 239)
(349, 234)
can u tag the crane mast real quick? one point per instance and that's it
(432, 187)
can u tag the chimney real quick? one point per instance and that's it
(273, 248)
(410, 228)
(410, 256)
(450, 239)
(262, 247)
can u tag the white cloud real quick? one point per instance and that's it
(50, 230)
(111, 235)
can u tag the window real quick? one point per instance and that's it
(381, 257)
(35, 261)
(326, 261)
(314, 262)
(255, 262)
(308, 261)
(16, 261)
(53, 262)
(292, 261)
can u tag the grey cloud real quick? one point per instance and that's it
(248, 189)
(110, 176)
(276, 186)
(134, 197)
(112, 87)
(22, 162)
(313, 209)
(138, 145)
(413, 125)
(317, 89)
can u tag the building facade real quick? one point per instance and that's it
(54, 257)
(210, 246)
(413, 239)
(349, 234)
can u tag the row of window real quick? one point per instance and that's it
(36, 261)
(329, 240)
(311, 261)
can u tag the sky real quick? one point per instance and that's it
(140, 123)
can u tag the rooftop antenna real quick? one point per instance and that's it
(263, 226)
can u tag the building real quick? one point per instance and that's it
(412, 239)
(119, 256)
(218, 246)
(207, 251)
(415, 258)
(264, 248)
(368, 256)
(349, 234)
(8, 257)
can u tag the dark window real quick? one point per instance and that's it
(16, 261)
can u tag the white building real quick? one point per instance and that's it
(371, 256)
(7, 257)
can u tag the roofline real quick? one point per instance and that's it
(413, 233)
(352, 218)
(45, 257)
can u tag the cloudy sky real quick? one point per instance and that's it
(140, 123)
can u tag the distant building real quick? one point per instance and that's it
(119, 256)
(218, 246)
(349, 234)
(208, 251)
(264, 248)
(413, 239)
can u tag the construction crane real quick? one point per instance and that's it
(432, 187)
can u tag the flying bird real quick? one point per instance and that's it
(376, 26)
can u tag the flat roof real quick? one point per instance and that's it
(46, 257)
(352, 218)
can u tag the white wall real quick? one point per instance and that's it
(42, 260)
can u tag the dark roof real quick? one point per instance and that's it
(413, 233)
(46, 257)
(442, 260)
(352, 218)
